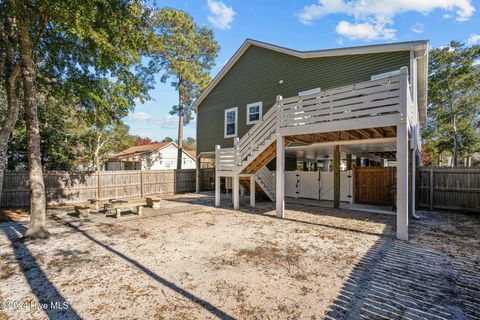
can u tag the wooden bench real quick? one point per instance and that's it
(154, 203)
(117, 206)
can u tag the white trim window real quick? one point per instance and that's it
(231, 121)
(254, 112)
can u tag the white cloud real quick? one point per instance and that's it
(364, 31)
(139, 116)
(143, 134)
(372, 16)
(221, 15)
(168, 121)
(312, 12)
(418, 28)
(473, 39)
(165, 121)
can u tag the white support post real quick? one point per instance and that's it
(402, 161)
(217, 177)
(198, 176)
(252, 191)
(280, 177)
(414, 173)
(402, 182)
(236, 192)
(277, 113)
(236, 177)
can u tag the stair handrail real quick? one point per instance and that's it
(256, 135)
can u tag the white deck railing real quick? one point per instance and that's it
(366, 99)
(225, 159)
(306, 114)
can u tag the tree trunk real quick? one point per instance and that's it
(11, 71)
(96, 155)
(455, 162)
(180, 125)
(37, 227)
(97, 162)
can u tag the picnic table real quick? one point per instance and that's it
(117, 205)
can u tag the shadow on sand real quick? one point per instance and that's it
(395, 279)
(204, 304)
(49, 298)
(400, 280)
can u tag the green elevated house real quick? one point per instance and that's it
(271, 108)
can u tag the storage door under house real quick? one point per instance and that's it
(317, 185)
(375, 185)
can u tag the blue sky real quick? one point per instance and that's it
(308, 25)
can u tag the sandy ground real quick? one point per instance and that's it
(203, 262)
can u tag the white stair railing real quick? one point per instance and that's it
(264, 178)
(259, 134)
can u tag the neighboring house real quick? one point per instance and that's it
(271, 107)
(155, 156)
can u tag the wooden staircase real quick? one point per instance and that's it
(259, 192)
(264, 183)
(263, 158)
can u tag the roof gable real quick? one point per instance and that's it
(146, 148)
(420, 46)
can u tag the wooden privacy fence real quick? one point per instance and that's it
(448, 188)
(207, 178)
(79, 186)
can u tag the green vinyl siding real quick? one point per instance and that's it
(256, 75)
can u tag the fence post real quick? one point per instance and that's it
(141, 183)
(430, 188)
(175, 181)
(98, 185)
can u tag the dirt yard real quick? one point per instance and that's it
(203, 262)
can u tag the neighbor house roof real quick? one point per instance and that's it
(139, 150)
(146, 149)
(418, 48)
(191, 153)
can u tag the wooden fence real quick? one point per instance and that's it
(79, 186)
(437, 188)
(207, 178)
(448, 188)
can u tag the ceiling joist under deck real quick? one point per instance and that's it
(389, 155)
(347, 135)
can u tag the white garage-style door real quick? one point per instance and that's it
(317, 185)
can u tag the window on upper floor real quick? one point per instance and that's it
(254, 112)
(231, 119)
